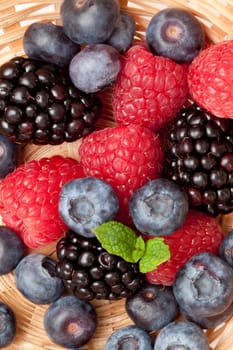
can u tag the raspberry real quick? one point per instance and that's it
(29, 198)
(210, 79)
(126, 156)
(199, 233)
(149, 89)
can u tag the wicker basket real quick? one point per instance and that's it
(15, 16)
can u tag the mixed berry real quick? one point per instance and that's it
(133, 214)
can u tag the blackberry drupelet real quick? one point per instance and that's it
(89, 271)
(199, 157)
(39, 104)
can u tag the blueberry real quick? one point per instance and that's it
(129, 337)
(35, 282)
(89, 21)
(7, 325)
(204, 285)
(181, 335)
(12, 250)
(70, 322)
(206, 322)
(86, 203)
(123, 33)
(159, 207)
(8, 155)
(94, 67)
(48, 42)
(175, 33)
(226, 248)
(152, 307)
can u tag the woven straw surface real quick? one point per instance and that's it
(15, 16)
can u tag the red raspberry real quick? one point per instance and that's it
(199, 233)
(210, 79)
(125, 156)
(29, 198)
(149, 89)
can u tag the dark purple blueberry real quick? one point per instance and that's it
(122, 36)
(204, 285)
(181, 335)
(129, 337)
(159, 207)
(206, 322)
(12, 250)
(175, 33)
(89, 21)
(226, 248)
(70, 322)
(86, 203)
(48, 42)
(7, 325)
(95, 67)
(8, 156)
(35, 282)
(152, 307)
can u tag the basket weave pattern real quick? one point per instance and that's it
(15, 16)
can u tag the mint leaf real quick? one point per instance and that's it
(156, 252)
(121, 240)
(139, 249)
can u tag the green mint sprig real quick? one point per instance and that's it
(119, 239)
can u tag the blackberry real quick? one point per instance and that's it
(39, 104)
(89, 272)
(199, 157)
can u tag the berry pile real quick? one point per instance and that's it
(199, 157)
(89, 271)
(40, 104)
(122, 217)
